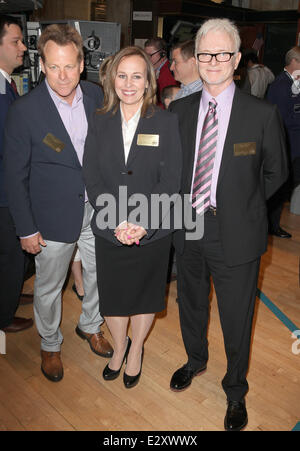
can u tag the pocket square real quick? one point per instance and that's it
(53, 142)
(242, 149)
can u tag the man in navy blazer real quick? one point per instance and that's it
(46, 192)
(12, 258)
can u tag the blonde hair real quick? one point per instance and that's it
(111, 100)
(61, 34)
(220, 25)
(293, 53)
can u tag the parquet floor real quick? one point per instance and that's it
(84, 401)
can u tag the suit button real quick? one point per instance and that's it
(129, 172)
(80, 196)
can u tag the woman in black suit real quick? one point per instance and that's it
(132, 154)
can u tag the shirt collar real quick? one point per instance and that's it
(134, 120)
(6, 75)
(58, 101)
(223, 99)
(191, 85)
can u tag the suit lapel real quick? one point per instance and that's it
(89, 104)
(234, 121)
(141, 128)
(190, 133)
(113, 131)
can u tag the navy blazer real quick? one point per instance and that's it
(45, 187)
(7, 97)
(150, 169)
(253, 167)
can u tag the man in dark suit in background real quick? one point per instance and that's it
(285, 93)
(46, 193)
(156, 48)
(233, 160)
(12, 258)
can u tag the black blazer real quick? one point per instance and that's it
(7, 97)
(246, 178)
(154, 169)
(45, 187)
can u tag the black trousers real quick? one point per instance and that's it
(236, 294)
(12, 266)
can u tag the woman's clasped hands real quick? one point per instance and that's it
(128, 233)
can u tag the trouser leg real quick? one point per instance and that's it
(90, 318)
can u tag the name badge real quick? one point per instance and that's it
(148, 140)
(53, 142)
(243, 149)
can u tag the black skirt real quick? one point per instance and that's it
(132, 279)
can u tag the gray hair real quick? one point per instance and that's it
(293, 53)
(220, 25)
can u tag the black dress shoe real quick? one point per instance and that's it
(182, 378)
(110, 375)
(281, 233)
(236, 416)
(80, 297)
(132, 381)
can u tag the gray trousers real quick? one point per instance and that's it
(52, 265)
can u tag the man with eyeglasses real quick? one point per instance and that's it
(234, 158)
(156, 48)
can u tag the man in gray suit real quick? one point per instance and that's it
(46, 193)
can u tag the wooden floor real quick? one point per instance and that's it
(84, 401)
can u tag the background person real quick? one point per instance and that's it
(284, 93)
(168, 95)
(12, 258)
(156, 49)
(133, 144)
(260, 76)
(184, 67)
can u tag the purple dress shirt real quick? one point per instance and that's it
(75, 121)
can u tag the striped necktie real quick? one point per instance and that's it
(205, 160)
(14, 86)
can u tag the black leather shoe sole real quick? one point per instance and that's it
(186, 385)
(236, 429)
(236, 417)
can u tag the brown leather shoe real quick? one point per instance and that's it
(52, 367)
(25, 299)
(18, 324)
(98, 344)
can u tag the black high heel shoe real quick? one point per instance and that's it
(110, 375)
(132, 381)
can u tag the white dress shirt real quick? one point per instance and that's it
(128, 130)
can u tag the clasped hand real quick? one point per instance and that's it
(128, 233)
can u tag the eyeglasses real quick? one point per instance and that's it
(222, 57)
(154, 53)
